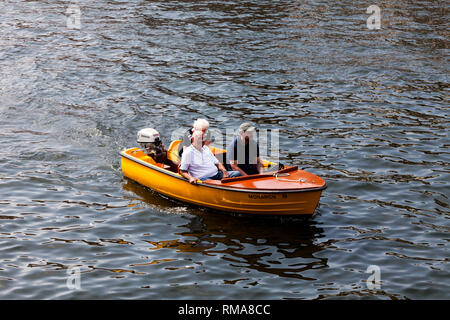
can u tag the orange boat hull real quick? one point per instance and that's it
(264, 195)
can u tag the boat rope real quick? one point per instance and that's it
(299, 180)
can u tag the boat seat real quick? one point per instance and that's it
(149, 160)
(172, 152)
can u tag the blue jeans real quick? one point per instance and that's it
(219, 175)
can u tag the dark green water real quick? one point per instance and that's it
(367, 110)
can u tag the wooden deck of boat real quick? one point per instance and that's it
(293, 180)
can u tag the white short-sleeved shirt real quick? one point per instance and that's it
(199, 164)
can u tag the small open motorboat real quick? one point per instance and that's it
(289, 191)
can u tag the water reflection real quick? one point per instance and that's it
(282, 246)
(366, 110)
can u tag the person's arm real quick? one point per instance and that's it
(217, 162)
(234, 166)
(191, 179)
(259, 165)
(184, 166)
(224, 171)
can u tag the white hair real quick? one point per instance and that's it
(201, 124)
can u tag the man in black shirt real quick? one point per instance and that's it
(243, 152)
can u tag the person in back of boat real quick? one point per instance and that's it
(199, 163)
(199, 124)
(150, 142)
(243, 152)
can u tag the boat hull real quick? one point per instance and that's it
(247, 201)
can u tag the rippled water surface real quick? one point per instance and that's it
(367, 110)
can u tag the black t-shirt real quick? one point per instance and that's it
(245, 154)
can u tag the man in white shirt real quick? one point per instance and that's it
(199, 163)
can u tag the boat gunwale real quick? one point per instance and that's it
(221, 187)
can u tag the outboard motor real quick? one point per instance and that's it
(149, 141)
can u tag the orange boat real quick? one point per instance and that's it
(288, 191)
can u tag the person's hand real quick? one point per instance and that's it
(192, 180)
(225, 174)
